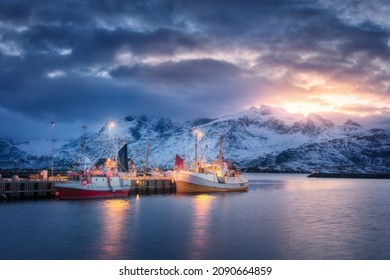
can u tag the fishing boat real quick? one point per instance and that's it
(218, 176)
(93, 187)
(105, 180)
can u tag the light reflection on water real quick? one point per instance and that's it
(115, 214)
(201, 223)
(282, 216)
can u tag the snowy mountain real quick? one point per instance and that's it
(268, 138)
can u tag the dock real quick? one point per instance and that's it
(25, 189)
(151, 185)
(21, 189)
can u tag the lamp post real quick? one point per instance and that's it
(52, 148)
(110, 138)
(110, 126)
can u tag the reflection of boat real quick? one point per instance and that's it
(219, 176)
(99, 182)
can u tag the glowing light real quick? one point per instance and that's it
(110, 126)
(198, 133)
(110, 163)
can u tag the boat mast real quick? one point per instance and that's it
(202, 154)
(196, 151)
(147, 156)
(52, 148)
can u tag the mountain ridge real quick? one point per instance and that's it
(266, 137)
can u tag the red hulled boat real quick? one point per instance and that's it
(93, 187)
(97, 183)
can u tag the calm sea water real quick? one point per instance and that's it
(280, 217)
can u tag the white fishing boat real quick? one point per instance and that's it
(218, 176)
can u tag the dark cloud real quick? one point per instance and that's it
(14, 11)
(74, 60)
(182, 72)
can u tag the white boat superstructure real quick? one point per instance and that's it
(218, 176)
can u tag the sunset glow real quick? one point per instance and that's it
(347, 104)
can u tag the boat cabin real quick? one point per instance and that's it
(224, 169)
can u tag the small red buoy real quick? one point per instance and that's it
(57, 194)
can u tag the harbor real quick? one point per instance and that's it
(283, 216)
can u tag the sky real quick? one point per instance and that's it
(87, 62)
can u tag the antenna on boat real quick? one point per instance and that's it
(52, 148)
(84, 144)
(197, 135)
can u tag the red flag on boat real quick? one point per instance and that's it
(179, 162)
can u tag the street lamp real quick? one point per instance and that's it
(52, 148)
(198, 135)
(110, 126)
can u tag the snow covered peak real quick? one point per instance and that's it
(271, 110)
(320, 120)
(350, 126)
(350, 122)
(267, 110)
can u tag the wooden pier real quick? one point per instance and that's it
(25, 189)
(151, 185)
(32, 189)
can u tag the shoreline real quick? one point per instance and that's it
(350, 175)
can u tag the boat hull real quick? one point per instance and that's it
(185, 187)
(76, 193)
(97, 187)
(187, 182)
